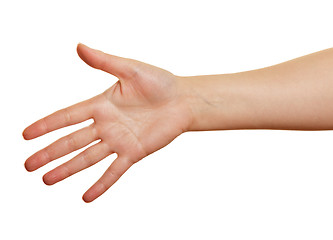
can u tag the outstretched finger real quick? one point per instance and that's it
(65, 117)
(85, 159)
(119, 166)
(62, 147)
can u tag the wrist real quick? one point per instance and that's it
(194, 91)
(219, 102)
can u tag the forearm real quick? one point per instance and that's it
(297, 94)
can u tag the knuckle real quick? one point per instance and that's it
(103, 186)
(103, 62)
(71, 143)
(46, 154)
(94, 131)
(85, 159)
(100, 108)
(67, 116)
(115, 174)
(134, 72)
(130, 161)
(44, 125)
(66, 171)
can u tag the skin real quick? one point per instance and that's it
(149, 107)
(139, 114)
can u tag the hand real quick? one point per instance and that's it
(141, 113)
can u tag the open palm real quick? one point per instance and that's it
(141, 113)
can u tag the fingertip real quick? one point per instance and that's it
(85, 55)
(28, 166)
(48, 180)
(45, 180)
(79, 46)
(25, 135)
(91, 194)
(78, 49)
(33, 131)
(87, 199)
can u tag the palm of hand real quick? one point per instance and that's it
(141, 113)
(136, 123)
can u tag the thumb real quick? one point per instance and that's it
(117, 66)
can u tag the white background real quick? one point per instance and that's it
(241, 184)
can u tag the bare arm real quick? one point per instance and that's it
(297, 94)
(148, 107)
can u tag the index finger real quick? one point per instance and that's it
(65, 117)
